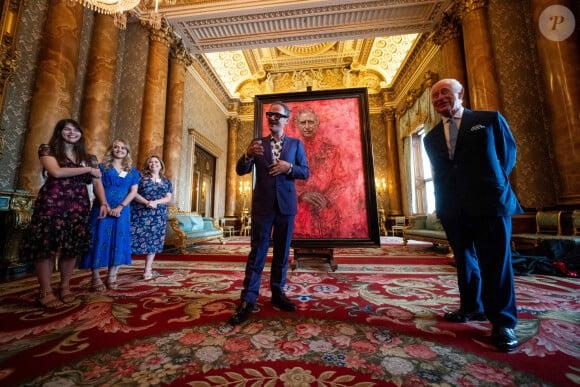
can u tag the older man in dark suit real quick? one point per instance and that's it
(277, 161)
(472, 154)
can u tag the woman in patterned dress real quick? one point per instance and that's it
(59, 227)
(110, 219)
(149, 212)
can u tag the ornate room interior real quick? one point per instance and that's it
(178, 78)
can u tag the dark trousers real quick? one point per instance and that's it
(281, 228)
(481, 245)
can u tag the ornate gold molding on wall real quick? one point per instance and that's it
(429, 78)
(9, 21)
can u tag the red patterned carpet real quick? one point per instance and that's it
(376, 321)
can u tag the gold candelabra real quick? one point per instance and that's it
(381, 186)
(244, 189)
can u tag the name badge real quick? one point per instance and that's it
(123, 174)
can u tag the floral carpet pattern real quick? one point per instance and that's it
(372, 323)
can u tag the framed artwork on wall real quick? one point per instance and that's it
(337, 205)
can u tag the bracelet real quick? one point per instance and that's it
(105, 205)
(121, 204)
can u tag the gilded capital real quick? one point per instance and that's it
(162, 33)
(447, 30)
(180, 53)
(234, 123)
(389, 113)
(465, 7)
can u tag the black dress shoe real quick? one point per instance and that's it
(459, 316)
(282, 302)
(504, 339)
(243, 311)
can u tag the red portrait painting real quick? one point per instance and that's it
(333, 204)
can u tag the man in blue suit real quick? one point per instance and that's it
(474, 201)
(277, 161)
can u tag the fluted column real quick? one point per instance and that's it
(155, 95)
(558, 46)
(172, 147)
(233, 126)
(393, 169)
(481, 73)
(53, 95)
(448, 36)
(97, 104)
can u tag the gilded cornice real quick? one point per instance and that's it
(465, 7)
(429, 78)
(414, 60)
(448, 29)
(202, 68)
(246, 111)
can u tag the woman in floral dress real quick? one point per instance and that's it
(149, 212)
(110, 219)
(59, 227)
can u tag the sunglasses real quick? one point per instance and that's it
(275, 115)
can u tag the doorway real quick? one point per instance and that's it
(203, 187)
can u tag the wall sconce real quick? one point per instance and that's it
(244, 189)
(381, 185)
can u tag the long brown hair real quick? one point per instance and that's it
(56, 143)
(147, 172)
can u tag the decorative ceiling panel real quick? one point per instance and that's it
(249, 41)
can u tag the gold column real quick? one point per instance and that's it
(448, 36)
(52, 98)
(172, 147)
(559, 54)
(233, 126)
(9, 22)
(481, 73)
(97, 104)
(393, 169)
(155, 94)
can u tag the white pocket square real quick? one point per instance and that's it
(476, 127)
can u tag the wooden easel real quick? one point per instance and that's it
(314, 254)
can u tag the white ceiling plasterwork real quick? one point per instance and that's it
(258, 41)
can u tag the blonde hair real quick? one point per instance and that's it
(108, 158)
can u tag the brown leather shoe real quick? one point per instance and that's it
(243, 311)
(459, 316)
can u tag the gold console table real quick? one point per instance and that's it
(15, 213)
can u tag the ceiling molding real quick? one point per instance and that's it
(262, 40)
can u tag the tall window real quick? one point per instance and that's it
(423, 190)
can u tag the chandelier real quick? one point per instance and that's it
(110, 6)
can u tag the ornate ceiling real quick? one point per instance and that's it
(263, 46)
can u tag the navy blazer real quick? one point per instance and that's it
(475, 182)
(276, 193)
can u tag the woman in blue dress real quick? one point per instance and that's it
(111, 221)
(149, 212)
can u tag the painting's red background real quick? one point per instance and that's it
(336, 166)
